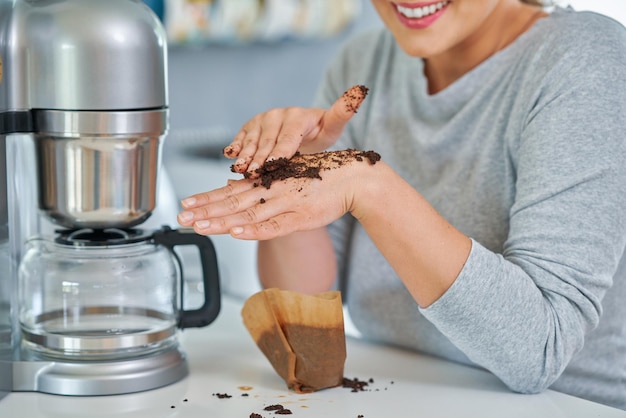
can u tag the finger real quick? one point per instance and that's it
(273, 227)
(225, 218)
(247, 141)
(232, 150)
(197, 206)
(271, 125)
(342, 111)
(231, 187)
(293, 132)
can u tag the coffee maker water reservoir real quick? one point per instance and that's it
(90, 303)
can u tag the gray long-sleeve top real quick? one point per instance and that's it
(526, 155)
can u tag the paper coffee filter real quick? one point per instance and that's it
(301, 335)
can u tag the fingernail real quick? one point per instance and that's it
(190, 201)
(185, 216)
(270, 159)
(236, 230)
(203, 224)
(240, 161)
(229, 151)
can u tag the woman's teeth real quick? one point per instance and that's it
(419, 12)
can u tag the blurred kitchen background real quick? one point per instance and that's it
(231, 59)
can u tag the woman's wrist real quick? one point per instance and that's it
(370, 183)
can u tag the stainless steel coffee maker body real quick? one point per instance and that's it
(83, 112)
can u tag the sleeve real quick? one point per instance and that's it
(524, 314)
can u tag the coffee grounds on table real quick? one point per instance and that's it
(355, 384)
(278, 409)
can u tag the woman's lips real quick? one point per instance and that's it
(419, 15)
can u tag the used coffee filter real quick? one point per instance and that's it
(301, 335)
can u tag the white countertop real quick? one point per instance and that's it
(223, 358)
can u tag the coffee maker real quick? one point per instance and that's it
(90, 303)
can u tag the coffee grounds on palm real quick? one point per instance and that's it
(309, 165)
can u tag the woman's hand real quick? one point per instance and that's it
(279, 133)
(248, 210)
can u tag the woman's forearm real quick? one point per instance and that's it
(425, 250)
(302, 261)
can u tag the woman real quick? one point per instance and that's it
(492, 232)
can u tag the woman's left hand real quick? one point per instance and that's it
(247, 210)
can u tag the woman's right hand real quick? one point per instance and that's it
(281, 132)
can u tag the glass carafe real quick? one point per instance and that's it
(92, 295)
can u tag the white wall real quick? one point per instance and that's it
(613, 8)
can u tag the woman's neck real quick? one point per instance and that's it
(503, 27)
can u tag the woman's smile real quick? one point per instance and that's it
(420, 15)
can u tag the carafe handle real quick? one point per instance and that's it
(210, 274)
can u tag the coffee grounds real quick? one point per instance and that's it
(229, 151)
(308, 165)
(255, 415)
(355, 384)
(354, 96)
(222, 395)
(276, 407)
